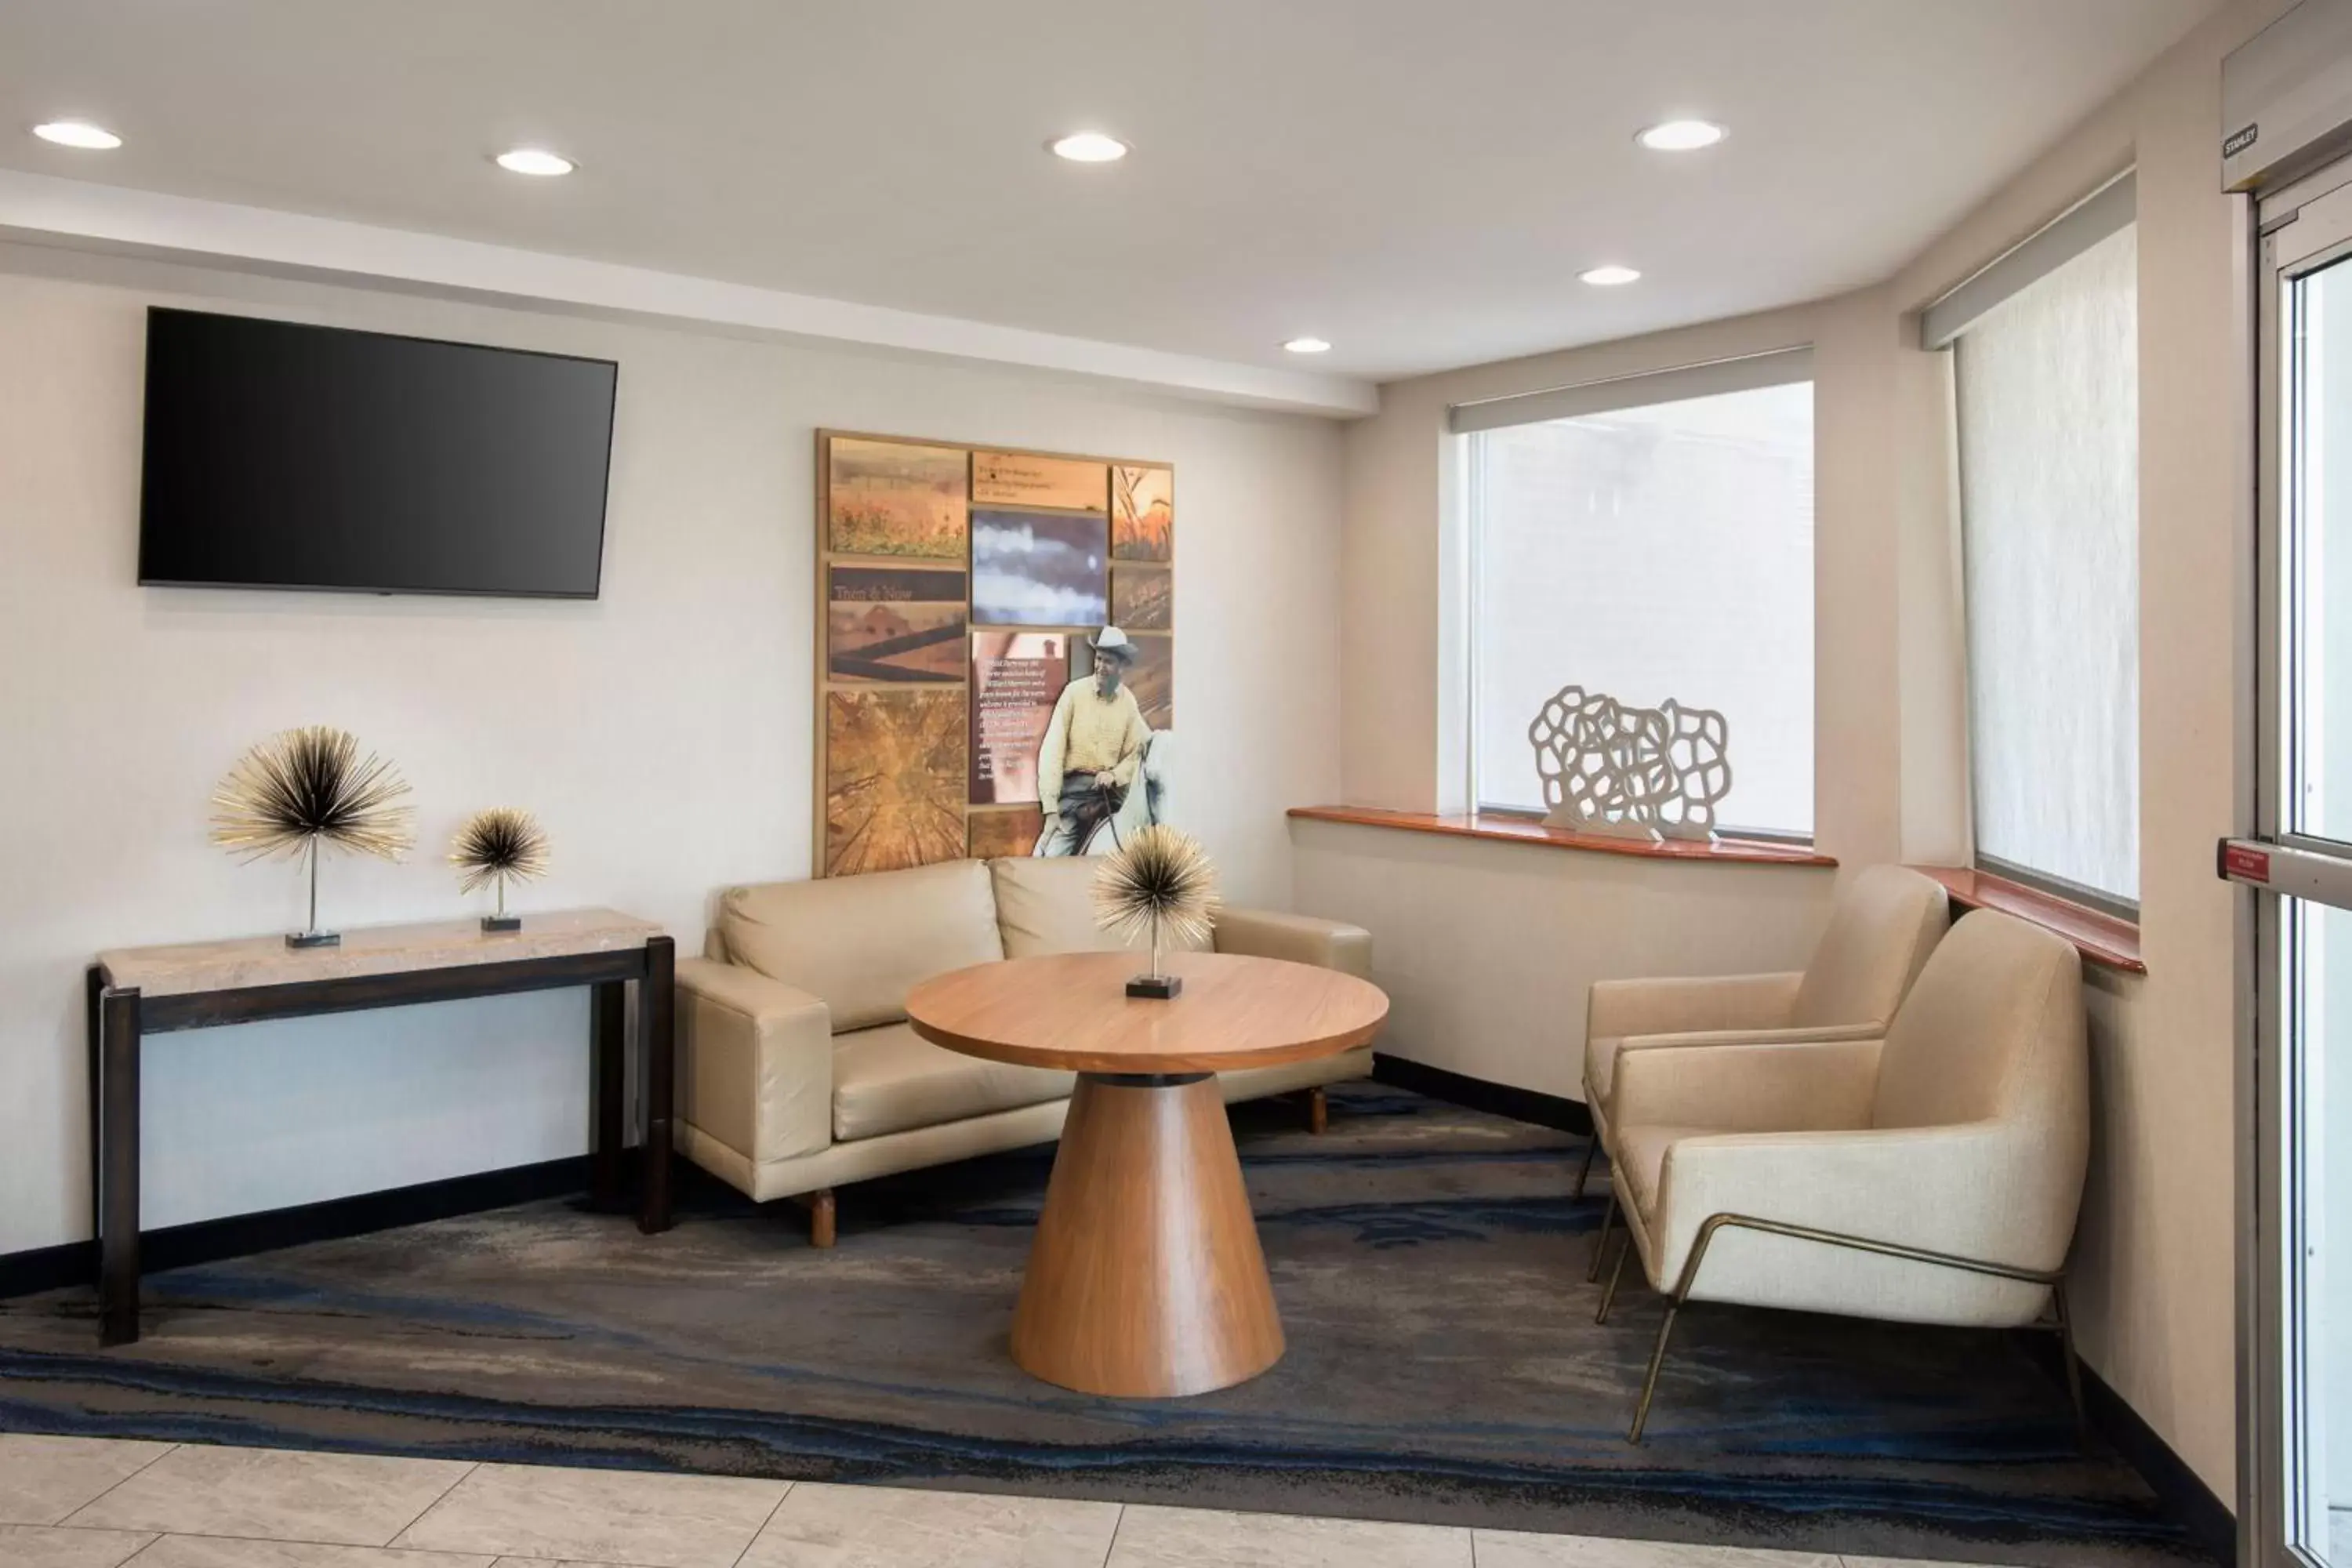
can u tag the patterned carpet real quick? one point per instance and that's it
(1444, 1364)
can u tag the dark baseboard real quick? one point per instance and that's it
(210, 1240)
(2209, 1522)
(1480, 1094)
(48, 1267)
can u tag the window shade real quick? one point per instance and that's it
(2049, 444)
(2095, 218)
(1654, 550)
(1781, 367)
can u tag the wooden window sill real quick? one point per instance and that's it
(2100, 937)
(1527, 830)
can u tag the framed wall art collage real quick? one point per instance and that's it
(995, 659)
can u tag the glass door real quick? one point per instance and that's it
(2296, 1175)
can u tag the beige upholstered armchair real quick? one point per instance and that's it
(1931, 1176)
(1887, 920)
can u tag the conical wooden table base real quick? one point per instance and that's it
(1146, 1279)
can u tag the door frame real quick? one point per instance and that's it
(2299, 230)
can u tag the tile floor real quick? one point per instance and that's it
(81, 1502)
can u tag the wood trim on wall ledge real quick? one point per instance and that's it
(1502, 829)
(2101, 938)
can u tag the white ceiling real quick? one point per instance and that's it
(1417, 182)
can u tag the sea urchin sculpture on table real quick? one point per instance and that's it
(1161, 882)
(302, 790)
(498, 846)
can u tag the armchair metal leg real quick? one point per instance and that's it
(2073, 1366)
(1650, 1382)
(2055, 1279)
(1584, 1170)
(1600, 1246)
(1609, 1296)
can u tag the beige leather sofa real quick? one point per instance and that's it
(798, 1072)
(1885, 923)
(1929, 1176)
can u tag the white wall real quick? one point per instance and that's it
(662, 732)
(1487, 950)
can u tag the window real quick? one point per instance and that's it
(2046, 383)
(1651, 544)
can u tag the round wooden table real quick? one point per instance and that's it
(1146, 1279)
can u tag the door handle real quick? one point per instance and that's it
(2286, 869)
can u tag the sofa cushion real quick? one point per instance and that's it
(1045, 904)
(892, 1080)
(861, 944)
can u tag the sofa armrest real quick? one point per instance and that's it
(1788, 1082)
(1617, 1008)
(1302, 939)
(754, 1061)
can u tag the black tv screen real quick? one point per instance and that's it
(281, 456)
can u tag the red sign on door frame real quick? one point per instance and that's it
(2246, 863)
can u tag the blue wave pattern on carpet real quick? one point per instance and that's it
(1442, 1367)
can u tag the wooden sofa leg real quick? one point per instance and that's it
(1318, 1111)
(820, 1206)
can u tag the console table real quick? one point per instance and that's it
(137, 992)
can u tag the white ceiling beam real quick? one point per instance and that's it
(42, 209)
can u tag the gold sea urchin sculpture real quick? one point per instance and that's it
(304, 789)
(498, 845)
(1160, 881)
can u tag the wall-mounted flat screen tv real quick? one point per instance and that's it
(281, 456)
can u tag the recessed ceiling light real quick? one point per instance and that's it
(1088, 147)
(536, 161)
(1681, 135)
(1308, 346)
(78, 133)
(1609, 277)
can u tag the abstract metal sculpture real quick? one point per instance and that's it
(498, 844)
(1631, 772)
(1160, 878)
(302, 789)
